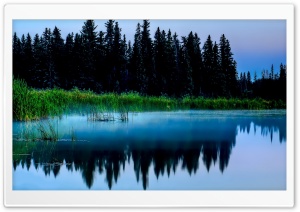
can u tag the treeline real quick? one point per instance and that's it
(106, 62)
(269, 86)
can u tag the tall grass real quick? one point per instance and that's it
(31, 104)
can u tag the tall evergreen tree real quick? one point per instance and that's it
(208, 65)
(48, 72)
(108, 83)
(160, 57)
(88, 34)
(57, 44)
(118, 55)
(69, 68)
(249, 82)
(272, 72)
(228, 66)
(78, 62)
(28, 59)
(186, 77)
(171, 64)
(124, 75)
(137, 65)
(194, 51)
(176, 75)
(282, 82)
(37, 79)
(218, 78)
(100, 62)
(147, 57)
(17, 56)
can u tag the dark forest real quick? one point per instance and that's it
(164, 66)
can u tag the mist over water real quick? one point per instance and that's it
(176, 150)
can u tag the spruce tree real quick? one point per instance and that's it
(147, 57)
(88, 34)
(194, 52)
(208, 64)
(57, 44)
(78, 61)
(218, 78)
(186, 73)
(17, 55)
(228, 66)
(137, 65)
(108, 83)
(69, 68)
(37, 78)
(160, 57)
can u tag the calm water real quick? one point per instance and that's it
(182, 150)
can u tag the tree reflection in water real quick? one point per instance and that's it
(163, 155)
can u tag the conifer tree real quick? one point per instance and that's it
(89, 34)
(17, 56)
(186, 77)
(137, 65)
(37, 78)
(69, 68)
(147, 57)
(208, 57)
(228, 66)
(57, 45)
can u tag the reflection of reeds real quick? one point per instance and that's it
(124, 116)
(100, 116)
(73, 135)
(48, 135)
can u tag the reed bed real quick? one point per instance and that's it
(33, 104)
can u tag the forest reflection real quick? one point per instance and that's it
(89, 158)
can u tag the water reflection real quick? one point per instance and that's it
(210, 140)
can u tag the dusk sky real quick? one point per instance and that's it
(256, 44)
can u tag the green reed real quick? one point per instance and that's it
(32, 104)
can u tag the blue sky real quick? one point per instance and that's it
(256, 44)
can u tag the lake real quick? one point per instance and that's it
(173, 150)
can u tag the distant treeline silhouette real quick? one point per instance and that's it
(94, 157)
(106, 62)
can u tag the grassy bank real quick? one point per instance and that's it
(30, 104)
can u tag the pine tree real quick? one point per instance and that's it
(137, 65)
(48, 72)
(249, 82)
(208, 65)
(125, 64)
(28, 60)
(272, 72)
(89, 35)
(186, 77)
(176, 75)
(228, 66)
(118, 55)
(171, 64)
(194, 51)
(57, 44)
(147, 57)
(160, 57)
(100, 62)
(69, 68)
(17, 55)
(108, 83)
(282, 82)
(78, 61)
(37, 78)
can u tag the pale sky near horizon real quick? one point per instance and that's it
(256, 44)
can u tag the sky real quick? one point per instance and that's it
(255, 44)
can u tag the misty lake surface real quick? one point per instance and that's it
(173, 150)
